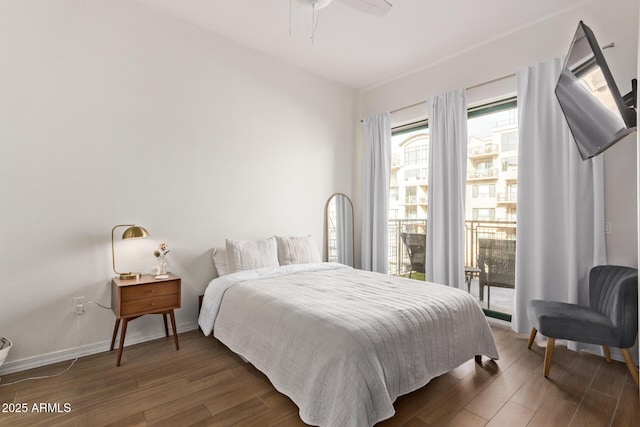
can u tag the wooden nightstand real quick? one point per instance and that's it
(133, 298)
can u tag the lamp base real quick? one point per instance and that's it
(129, 276)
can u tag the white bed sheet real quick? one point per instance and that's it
(343, 344)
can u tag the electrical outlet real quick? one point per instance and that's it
(78, 305)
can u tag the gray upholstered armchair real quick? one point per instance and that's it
(611, 320)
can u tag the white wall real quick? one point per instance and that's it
(612, 21)
(110, 113)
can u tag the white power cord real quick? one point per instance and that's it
(73, 362)
(42, 377)
(98, 304)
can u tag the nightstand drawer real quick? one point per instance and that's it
(151, 290)
(145, 305)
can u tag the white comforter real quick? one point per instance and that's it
(343, 344)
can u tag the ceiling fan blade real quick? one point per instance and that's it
(372, 7)
(317, 4)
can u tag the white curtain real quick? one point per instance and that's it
(560, 219)
(375, 204)
(447, 184)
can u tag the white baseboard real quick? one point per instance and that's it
(85, 350)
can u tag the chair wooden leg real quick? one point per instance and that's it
(532, 337)
(607, 353)
(630, 365)
(548, 355)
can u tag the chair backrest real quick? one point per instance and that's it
(613, 291)
(497, 261)
(416, 244)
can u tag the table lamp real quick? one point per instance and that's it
(133, 232)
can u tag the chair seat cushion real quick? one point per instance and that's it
(572, 322)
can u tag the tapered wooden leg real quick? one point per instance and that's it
(630, 365)
(478, 359)
(532, 337)
(548, 355)
(166, 328)
(115, 332)
(607, 353)
(173, 327)
(122, 335)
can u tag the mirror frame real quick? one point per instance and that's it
(326, 227)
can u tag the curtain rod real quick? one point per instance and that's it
(469, 88)
(408, 106)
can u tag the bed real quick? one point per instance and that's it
(342, 343)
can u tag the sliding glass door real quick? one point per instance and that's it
(490, 205)
(408, 202)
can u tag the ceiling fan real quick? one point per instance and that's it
(372, 7)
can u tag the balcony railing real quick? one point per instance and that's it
(482, 150)
(474, 230)
(398, 257)
(475, 174)
(415, 200)
(511, 197)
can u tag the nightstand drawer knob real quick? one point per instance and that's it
(153, 290)
(152, 304)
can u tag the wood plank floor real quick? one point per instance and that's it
(205, 384)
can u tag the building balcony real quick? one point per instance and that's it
(482, 174)
(482, 151)
(416, 180)
(507, 198)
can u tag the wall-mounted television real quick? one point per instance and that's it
(596, 113)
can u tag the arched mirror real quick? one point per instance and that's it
(339, 228)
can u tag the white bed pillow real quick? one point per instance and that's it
(219, 256)
(297, 250)
(251, 254)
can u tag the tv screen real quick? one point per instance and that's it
(589, 97)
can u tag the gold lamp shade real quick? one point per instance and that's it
(133, 232)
